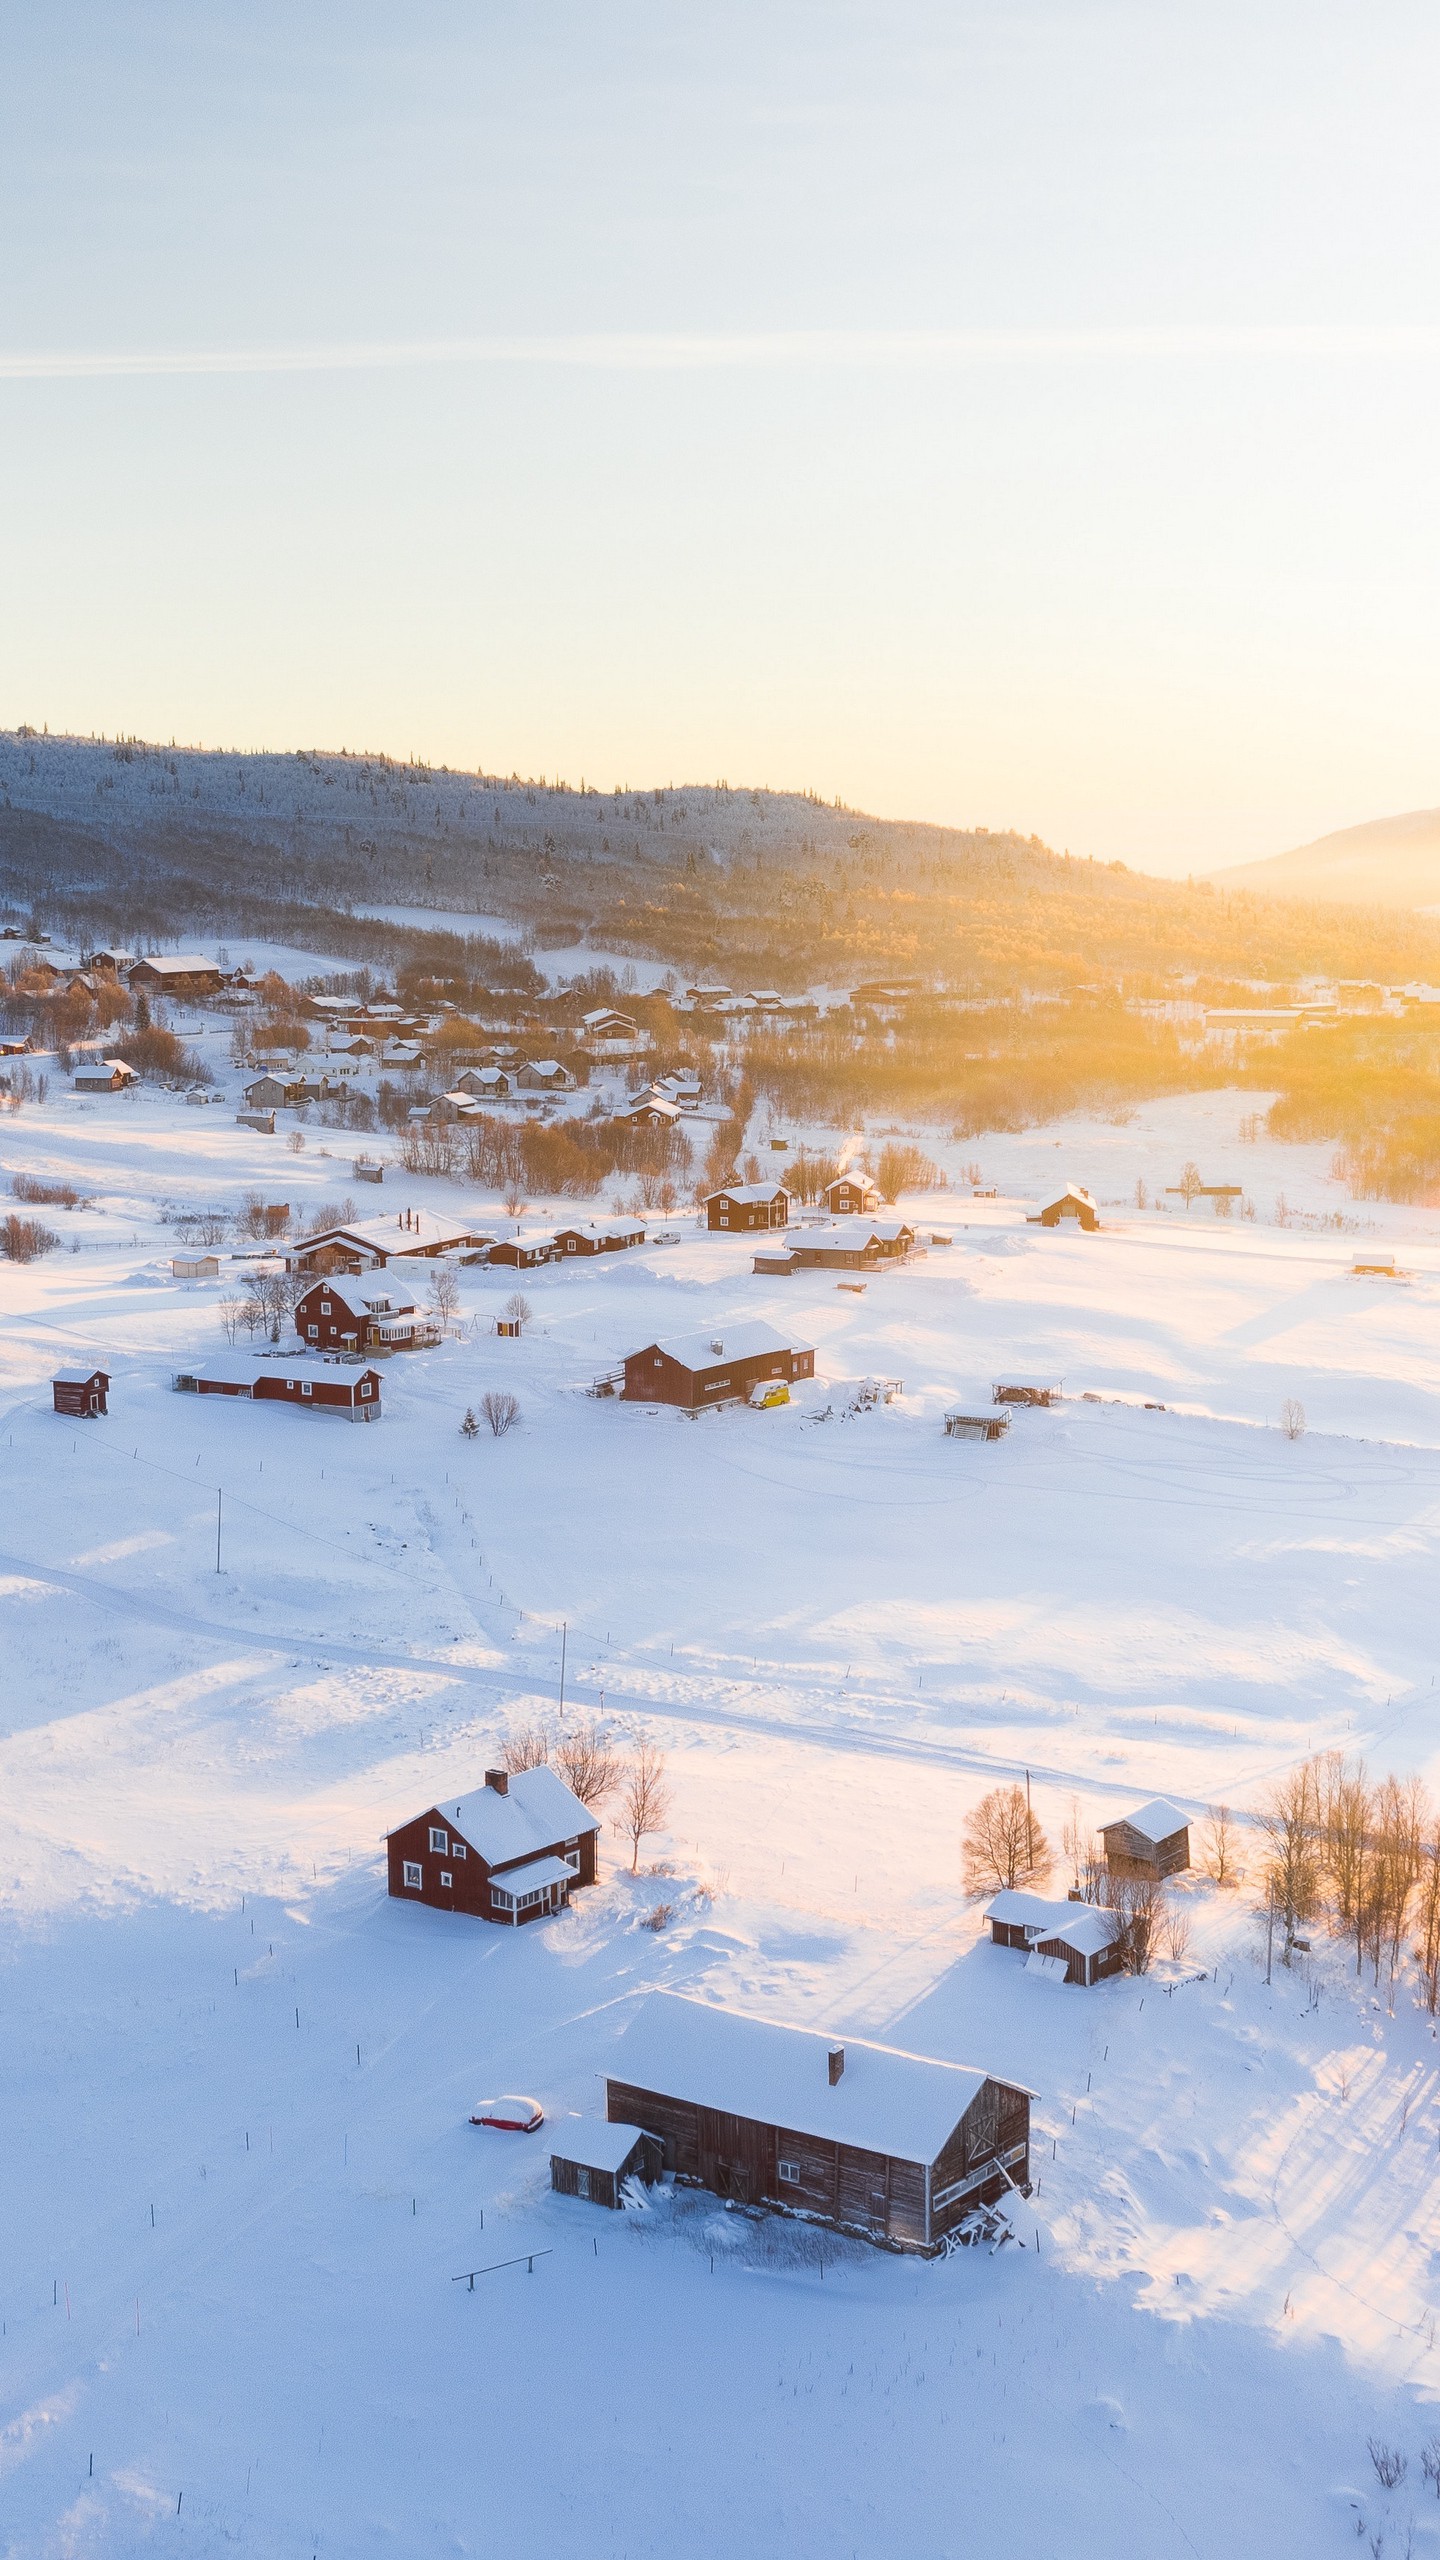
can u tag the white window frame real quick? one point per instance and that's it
(364, 1386)
(457, 1848)
(313, 1330)
(306, 1389)
(414, 1876)
(788, 2172)
(447, 1881)
(439, 1840)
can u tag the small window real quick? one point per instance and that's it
(457, 1848)
(439, 1840)
(789, 2172)
(314, 1332)
(364, 1386)
(659, 1364)
(306, 1388)
(724, 1221)
(325, 1306)
(446, 1881)
(413, 1878)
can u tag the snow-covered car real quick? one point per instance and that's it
(509, 2115)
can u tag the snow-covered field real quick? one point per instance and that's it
(238, 2179)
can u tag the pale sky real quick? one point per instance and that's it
(1006, 414)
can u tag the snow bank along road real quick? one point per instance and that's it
(233, 2107)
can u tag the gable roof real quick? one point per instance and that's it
(748, 1193)
(1085, 1926)
(1155, 1821)
(536, 1810)
(903, 2104)
(746, 1340)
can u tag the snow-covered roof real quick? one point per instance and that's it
(750, 1193)
(1081, 1925)
(178, 964)
(76, 1377)
(1157, 1820)
(903, 2104)
(590, 2143)
(616, 1226)
(743, 1341)
(413, 1231)
(1072, 1191)
(853, 1234)
(533, 1877)
(536, 1810)
(1047, 1968)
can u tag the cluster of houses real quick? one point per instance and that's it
(1083, 1942)
(899, 2147)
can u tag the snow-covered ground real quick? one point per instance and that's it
(234, 2209)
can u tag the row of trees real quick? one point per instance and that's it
(1362, 1853)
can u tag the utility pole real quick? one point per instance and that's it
(564, 1632)
(1269, 1928)
(219, 1510)
(1029, 1830)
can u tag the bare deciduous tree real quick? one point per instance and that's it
(500, 1409)
(1003, 1843)
(1290, 1820)
(231, 1312)
(1190, 1184)
(1292, 1418)
(518, 1310)
(1085, 1856)
(1219, 1845)
(1177, 1922)
(444, 1292)
(1427, 1951)
(1140, 1903)
(587, 1759)
(526, 1746)
(514, 1200)
(644, 1797)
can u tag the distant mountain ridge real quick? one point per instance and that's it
(1390, 862)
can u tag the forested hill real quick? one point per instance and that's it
(762, 887)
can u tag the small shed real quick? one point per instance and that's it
(1153, 1841)
(81, 1391)
(1033, 1391)
(1071, 1203)
(263, 1122)
(195, 1266)
(593, 2159)
(1074, 1942)
(976, 1426)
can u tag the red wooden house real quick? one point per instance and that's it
(852, 1195)
(744, 1206)
(699, 1369)
(512, 1850)
(360, 1320)
(335, 1388)
(80, 1391)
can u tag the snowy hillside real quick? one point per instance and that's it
(240, 2184)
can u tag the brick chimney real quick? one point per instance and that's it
(837, 2063)
(499, 1779)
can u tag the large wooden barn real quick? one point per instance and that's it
(696, 1370)
(894, 2146)
(1151, 1842)
(1075, 1942)
(512, 1850)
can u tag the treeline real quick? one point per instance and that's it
(1362, 1853)
(992, 1067)
(1374, 1085)
(570, 1159)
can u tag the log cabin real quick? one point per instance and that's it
(1152, 1842)
(1071, 1203)
(896, 2147)
(80, 1392)
(511, 1851)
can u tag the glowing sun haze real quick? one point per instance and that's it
(1021, 414)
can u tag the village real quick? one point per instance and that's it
(740, 1777)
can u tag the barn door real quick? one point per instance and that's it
(732, 2179)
